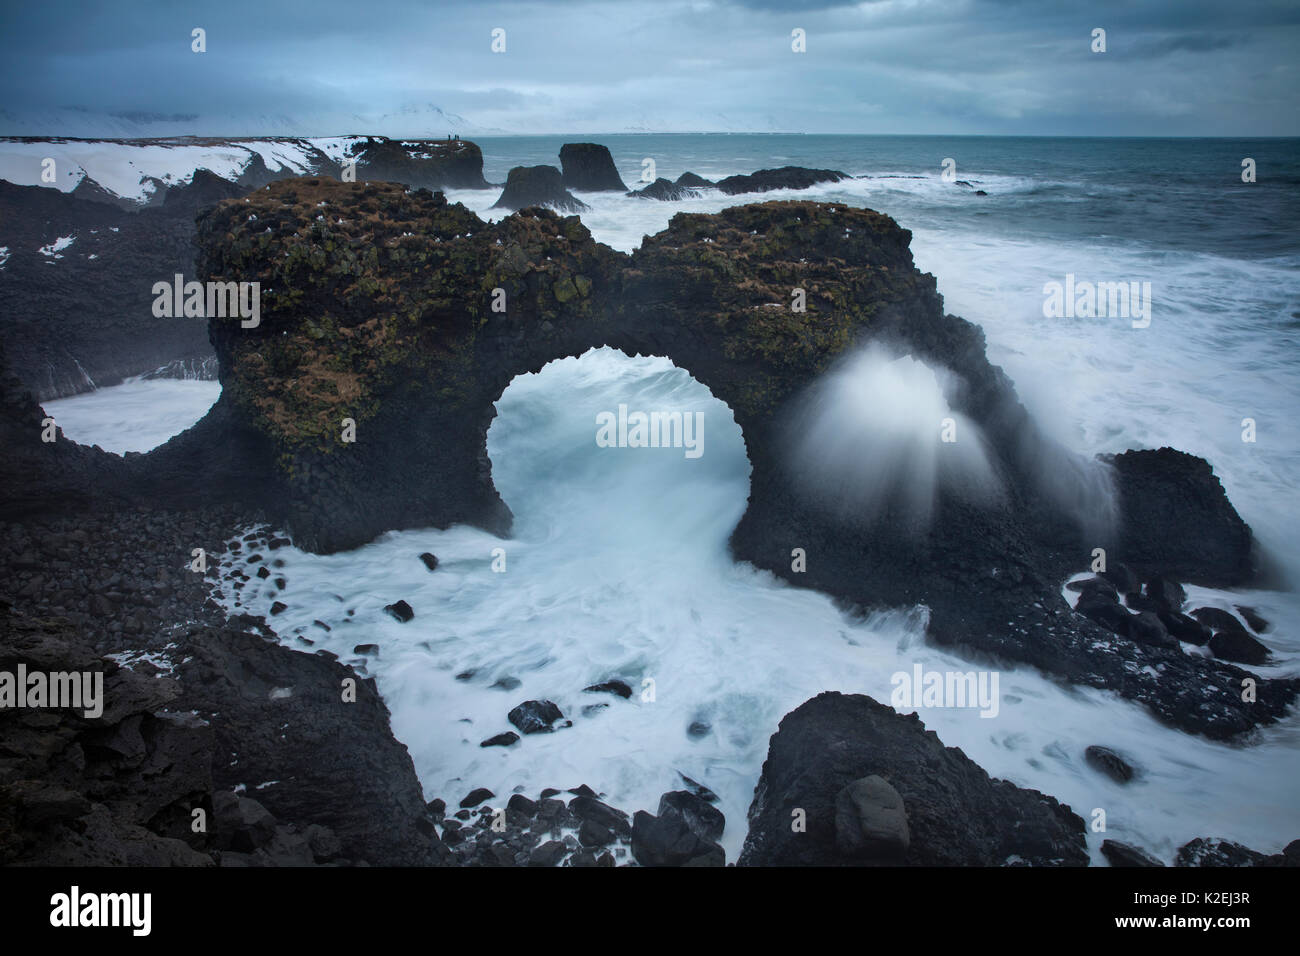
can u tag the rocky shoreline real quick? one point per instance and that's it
(381, 316)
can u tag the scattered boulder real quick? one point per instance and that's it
(1252, 618)
(1218, 619)
(508, 739)
(1208, 851)
(693, 181)
(366, 650)
(535, 716)
(589, 167)
(610, 687)
(705, 820)
(400, 611)
(668, 840)
(871, 822)
(1094, 586)
(1109, 763)
(1239, 647)
(475, 797)
(1125, 854)
(1122, 576)
(537, 186)
(1106, 611)
(1168, 594)
(1186, 628)
(589, 808)
(430, 561)
(1145, 627)
(549, 853)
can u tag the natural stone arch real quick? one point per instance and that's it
(377, 308)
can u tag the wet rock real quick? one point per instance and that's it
(1099, 608)
(610, 687)
(665, 191)
(592, 833)
(1252, 618)
(278, 607)
(475, 797)
(699, 789)
(1109, 763)
(1240, 647)
(1095, 585)
(507, 739)
(521, 804)
(1125, 854)
(535, 716)
(589, 808)
(787, 177)
(1169, 595)
(506, 683)
(549, 853)
(692, 180)
(400, 611)
(668, 840)
(698, 728)
(366, 650)
(871, 821)
(1145, 627)
(589, 167)
(1186, 628)
(537, 186)
(956, 814)
(1218, 619)
(430, 561)
(1205, 851)
(705, 820)
(1123, 578)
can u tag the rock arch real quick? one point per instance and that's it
(377, 307)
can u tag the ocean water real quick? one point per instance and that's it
(618, 564)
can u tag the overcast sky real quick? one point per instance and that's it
(1171, 67)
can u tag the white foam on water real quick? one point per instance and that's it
(137, 415)
(619, 569)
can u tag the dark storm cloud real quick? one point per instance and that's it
(1177, 67)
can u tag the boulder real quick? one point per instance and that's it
(1218, 619)
(1252, 618)
(705, 820)
(537, 186)
(956, 814)
(871, 822)
(430, 561)
(610, 687)
(693, 181)
(1125, 854)
(535, 716)
(400, 611)
(589, 167)
(1109, 763)
(1240, 647)
(668, 840)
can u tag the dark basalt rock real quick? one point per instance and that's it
(1123, 578)
(537, 186)
(1240, 647)
(668, 840)
(535, 716)
(1217, 619)
(610, 687)
(1178, 521)
(475, 797)
(589, 808)
(507, 739)
(665, 191)
(588, 167)
(956, 814)
(1109, 763)
(82, 321)
(787, 177)
(1257, 623)
(430, 561)
(693, 181)
(400, 611)
(704, 820)
(1186, 628)
(1095, 587)
(1125, 854)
